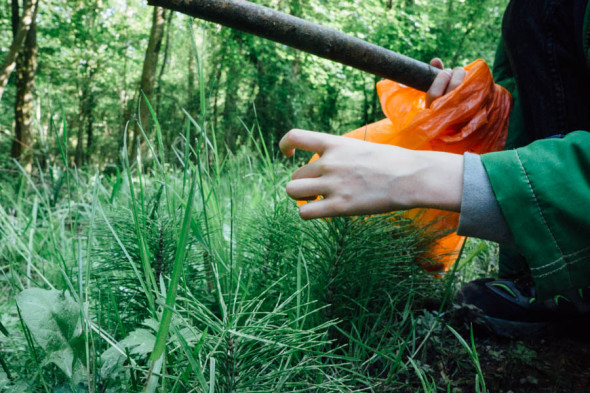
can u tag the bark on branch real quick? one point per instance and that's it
(309, 37)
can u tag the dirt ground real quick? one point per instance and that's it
(557, 363)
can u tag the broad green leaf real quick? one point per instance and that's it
(53, 318)
(138, 342)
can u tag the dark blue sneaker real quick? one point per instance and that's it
(510, 309)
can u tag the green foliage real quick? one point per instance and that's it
(189, 268)
(480, 385)
(53, 318)
(139, 344)
(91, 54)
(265, 301)
(118, 261)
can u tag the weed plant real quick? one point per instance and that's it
(262, 301)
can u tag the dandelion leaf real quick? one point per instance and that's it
(53, 319)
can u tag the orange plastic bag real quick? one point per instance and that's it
(471, 118)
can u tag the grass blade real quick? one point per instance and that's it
(164, 327)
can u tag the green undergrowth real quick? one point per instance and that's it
(188, 269)
(197, 274)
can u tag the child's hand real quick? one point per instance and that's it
(356, 177)
(445, 81)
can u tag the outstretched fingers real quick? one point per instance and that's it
(329, 207)
(314, 169)
(316, 142)
(306, 189)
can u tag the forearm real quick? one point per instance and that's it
(459, 183)
(439, 183)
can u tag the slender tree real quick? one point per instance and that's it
(217, 83)
(164, 62)
(20, 31)
(148, 75)
(26, 67)
(90, 63)
(191, 87)
(86, 113)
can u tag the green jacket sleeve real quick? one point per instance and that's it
(544, 192)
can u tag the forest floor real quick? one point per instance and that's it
(551, 364)
(555, 362)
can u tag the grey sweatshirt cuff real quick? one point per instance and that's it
(481, 215)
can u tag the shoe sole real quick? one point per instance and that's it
(515, 329)
(507, 328)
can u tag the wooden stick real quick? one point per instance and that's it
(309, 37)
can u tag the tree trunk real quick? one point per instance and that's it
(89, 130)
(21, 33)
(192, 96)
(126, 109)
(26, 67)
(87, 73)
(232, 83)
(86, 125)
(15, 17)
(148, 75)
(217, 81)
(164, 61)
(79, 156)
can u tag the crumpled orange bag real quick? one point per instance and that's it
(471, 118)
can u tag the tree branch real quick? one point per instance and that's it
(309, 37)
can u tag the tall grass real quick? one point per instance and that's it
(195, 273)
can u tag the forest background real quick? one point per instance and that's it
(189, 269)
(85, 62)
